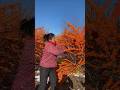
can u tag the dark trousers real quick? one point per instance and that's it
(44, 73)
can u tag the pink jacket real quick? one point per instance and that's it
(49, 56)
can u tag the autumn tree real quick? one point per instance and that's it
(73, 63)
(102, 46)
(73, 60)
(39, 43)
(11, 44)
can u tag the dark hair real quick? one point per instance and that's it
(48, 36)
(27, 27)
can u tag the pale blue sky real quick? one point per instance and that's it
(53, 14)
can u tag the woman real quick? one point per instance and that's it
(24, 79)
(48, 62)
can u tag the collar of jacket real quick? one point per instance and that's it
(54, 43)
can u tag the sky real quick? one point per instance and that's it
(53, 14)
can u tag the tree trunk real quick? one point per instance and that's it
(78, 82)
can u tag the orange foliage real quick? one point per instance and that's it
(39, 43)
(73, 41)
(102, 46)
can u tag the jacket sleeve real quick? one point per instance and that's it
(56, 50)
